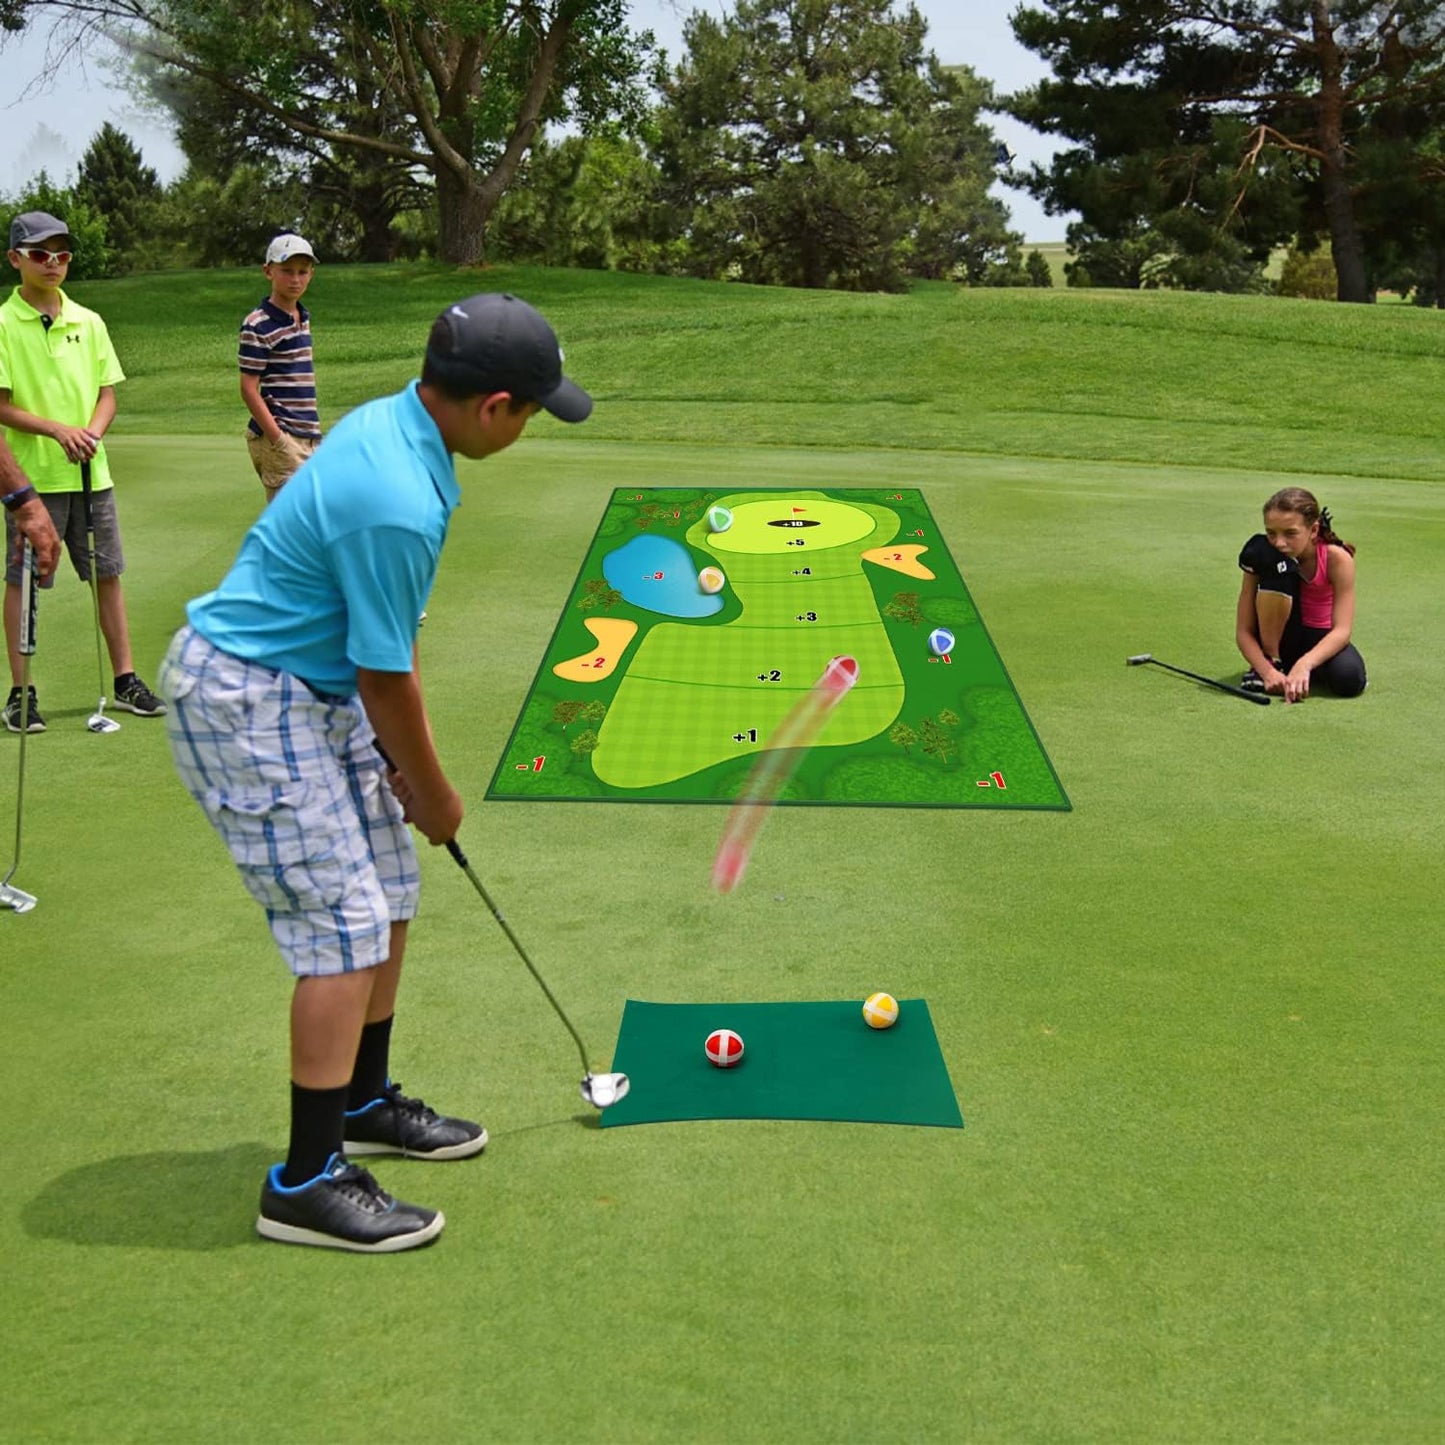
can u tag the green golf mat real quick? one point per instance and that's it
(800, 1061)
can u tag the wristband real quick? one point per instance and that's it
(14, 500)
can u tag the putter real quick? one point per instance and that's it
(599, 1090)
(1259, 697)
(97, 722)
(11, 896)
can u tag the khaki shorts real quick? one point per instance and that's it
(277, 461)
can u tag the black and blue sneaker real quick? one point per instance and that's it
(343, 1208)
(1253, 682)
(394, 1124)
(19, 717)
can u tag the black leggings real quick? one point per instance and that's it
(1343, 674)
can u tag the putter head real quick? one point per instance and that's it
(97, 722)
(602, 1090)
(16, 898)
(1142, 657)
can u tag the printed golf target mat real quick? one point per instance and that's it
(698, 620)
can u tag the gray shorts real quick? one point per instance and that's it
(67, 511)
(294, 785)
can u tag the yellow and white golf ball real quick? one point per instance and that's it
(880, 1011)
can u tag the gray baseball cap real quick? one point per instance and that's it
(495, 342)
(33, 226)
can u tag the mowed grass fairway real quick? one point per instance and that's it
(1194, 1024)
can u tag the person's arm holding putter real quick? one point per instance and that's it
(22, 502)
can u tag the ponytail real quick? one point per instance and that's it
(1327, 532)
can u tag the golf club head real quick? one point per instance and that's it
(97, 722)
(1142, 657)
(16, 898)
(602, 1090)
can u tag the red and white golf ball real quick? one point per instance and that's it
(724, 1048)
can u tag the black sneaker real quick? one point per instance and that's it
(134, 696)
(34, 723)
(1253, 682)
(394, 1124)
(343, 1208)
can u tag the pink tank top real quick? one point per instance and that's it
(1317, 597)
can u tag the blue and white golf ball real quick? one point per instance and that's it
(941, 642)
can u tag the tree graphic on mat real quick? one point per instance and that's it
(937, 742)
(567, 712)
(904, 608)
(596, 592)
(584, 743)
(902, 736)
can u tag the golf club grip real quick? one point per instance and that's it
(29, 592)
(453, 847)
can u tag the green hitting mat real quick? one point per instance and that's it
(800, 1061)
(682, 647)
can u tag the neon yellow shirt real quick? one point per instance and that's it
(56, 373)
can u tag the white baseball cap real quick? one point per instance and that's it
(285, 246)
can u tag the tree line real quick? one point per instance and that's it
(803, 142)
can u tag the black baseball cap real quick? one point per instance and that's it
(496, 342)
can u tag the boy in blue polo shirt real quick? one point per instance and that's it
(287, 685)
(278, 372)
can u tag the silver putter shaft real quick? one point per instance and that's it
(17, 899)
(97, 722)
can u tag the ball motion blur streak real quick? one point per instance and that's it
(777, 762)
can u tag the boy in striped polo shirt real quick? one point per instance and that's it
(278, 375)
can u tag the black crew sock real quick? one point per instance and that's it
(317, 1130)
(373, 1059)
(121, 678)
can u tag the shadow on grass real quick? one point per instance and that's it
(158, 1201)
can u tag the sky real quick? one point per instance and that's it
(48, 117)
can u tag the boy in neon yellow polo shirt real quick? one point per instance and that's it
(58, 373)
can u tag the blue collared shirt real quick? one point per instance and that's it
(335, 573)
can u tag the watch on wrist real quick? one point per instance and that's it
(14, 500)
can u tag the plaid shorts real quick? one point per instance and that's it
(293, 783)
(67, 511)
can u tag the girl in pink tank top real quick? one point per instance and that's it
(1297, 603)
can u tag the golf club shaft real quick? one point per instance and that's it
(94, 586)
(26, 648)
(1255, 697)
(454, 848)
(460, 858)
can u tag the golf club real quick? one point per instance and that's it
(599, 1090)
(11, 896)
(97, 722)
(1259, 697)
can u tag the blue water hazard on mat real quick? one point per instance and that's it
(800, 1061)
(660, 575)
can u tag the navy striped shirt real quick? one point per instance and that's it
(277, 347)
